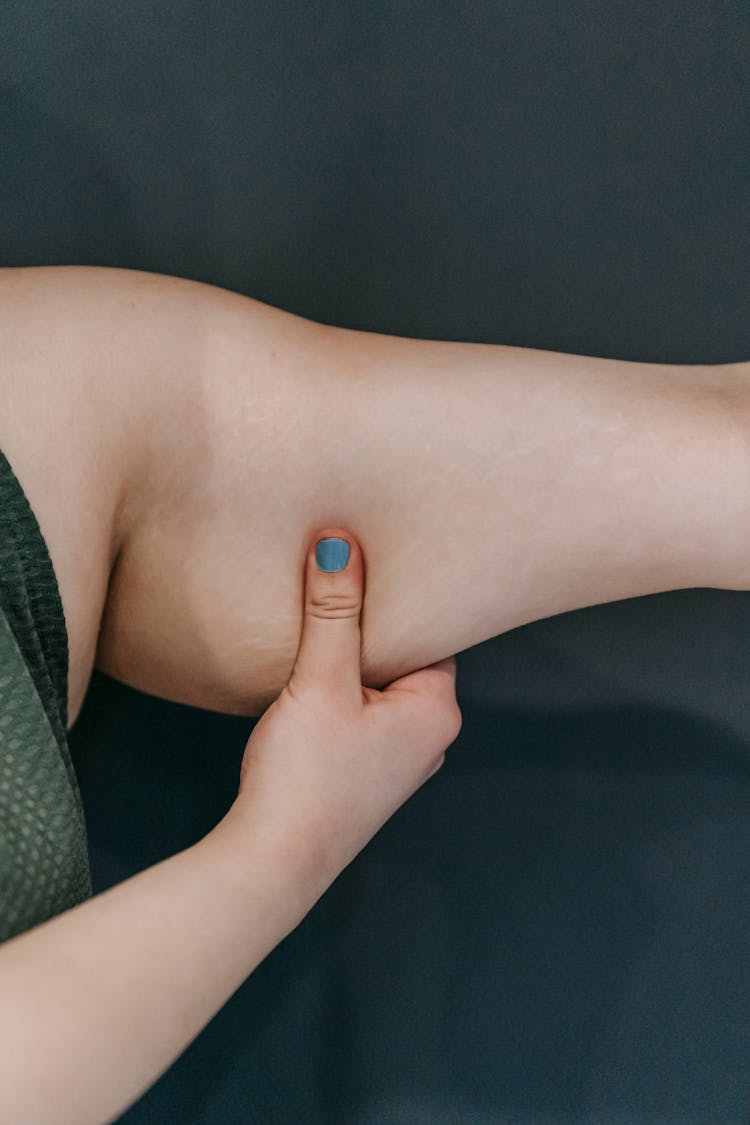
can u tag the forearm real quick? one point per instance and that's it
(99, 1001)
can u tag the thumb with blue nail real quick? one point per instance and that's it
(331, 760)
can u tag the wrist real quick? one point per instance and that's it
(293, 866)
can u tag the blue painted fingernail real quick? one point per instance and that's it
(332, 554)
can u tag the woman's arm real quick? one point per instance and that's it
(489, 486)
(99, 1001)
(180, 443)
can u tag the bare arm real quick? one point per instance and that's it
(490, 486)
(99, 1001)
(180, 442)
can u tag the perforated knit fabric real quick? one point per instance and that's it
(44, 861)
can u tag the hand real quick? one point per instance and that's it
(331, 760)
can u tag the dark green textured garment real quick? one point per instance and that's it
(44, 862)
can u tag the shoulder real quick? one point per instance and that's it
(69, 429)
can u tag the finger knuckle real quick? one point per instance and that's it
(451, 721)
(334, 605)
(435, 766)
(457, 721)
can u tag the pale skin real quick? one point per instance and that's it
(180, 443)
(99, 1000)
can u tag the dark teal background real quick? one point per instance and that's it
(556, 929)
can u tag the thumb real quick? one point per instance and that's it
(329, 651)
